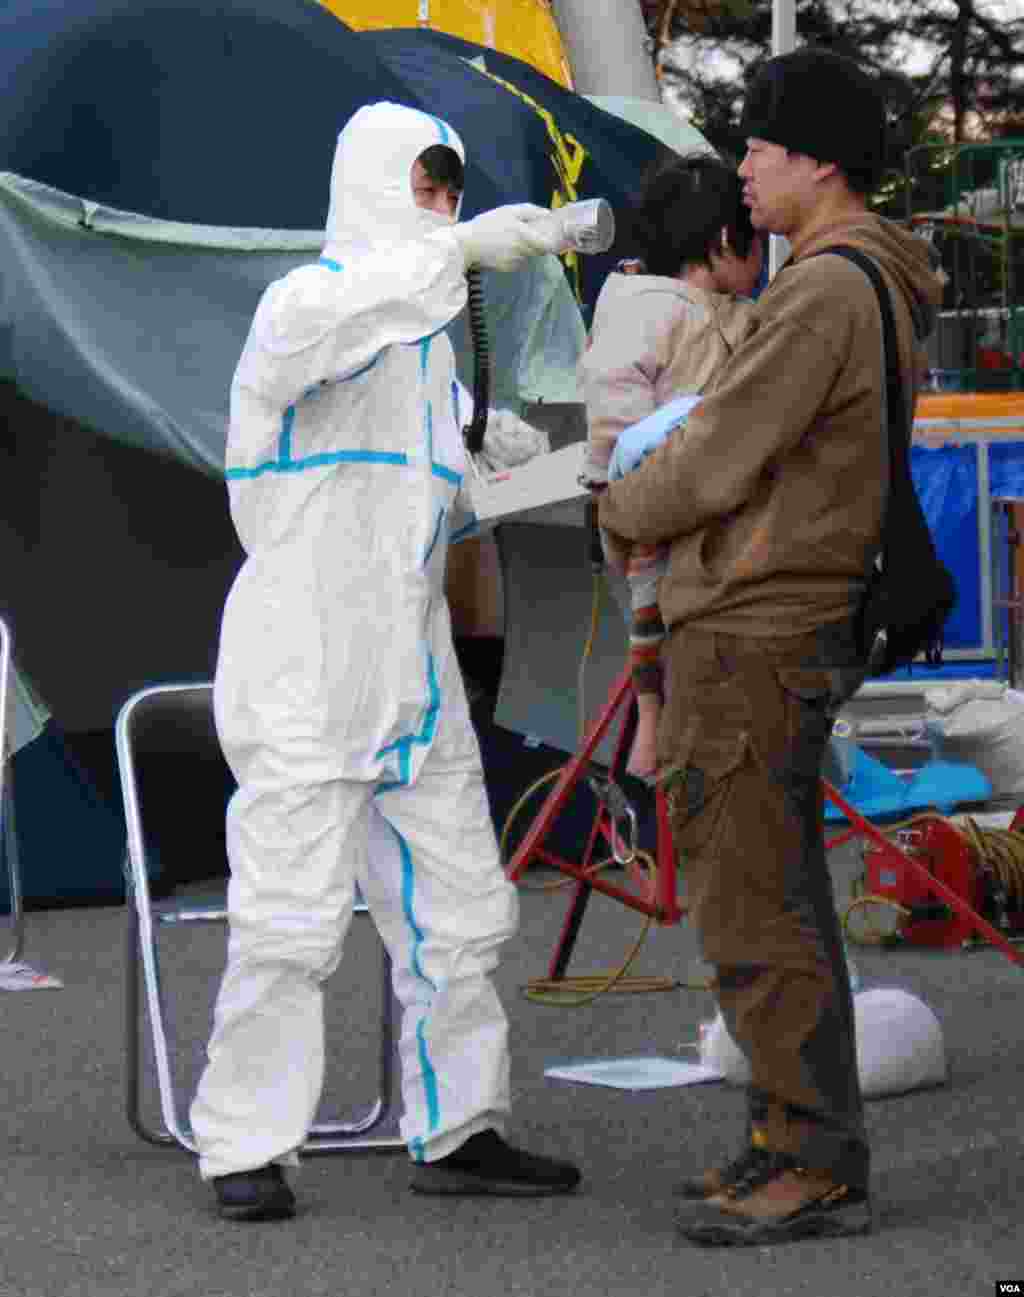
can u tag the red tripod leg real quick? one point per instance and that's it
(568, 779)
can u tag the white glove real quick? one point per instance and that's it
(502, 239)
(593, 473)
(508, 441)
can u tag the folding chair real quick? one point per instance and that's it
(8, 837)
(165, 736)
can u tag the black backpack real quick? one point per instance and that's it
(910, 592)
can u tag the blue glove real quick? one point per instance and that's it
(641, 438)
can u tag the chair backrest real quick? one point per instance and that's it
(5, 664)
(175, 779)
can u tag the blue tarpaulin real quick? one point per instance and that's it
(948, 485)
(879, 793)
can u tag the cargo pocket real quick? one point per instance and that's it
(696, 778)
(808, 697)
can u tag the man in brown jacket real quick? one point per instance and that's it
(772, 503)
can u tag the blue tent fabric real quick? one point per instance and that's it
(70, 839)
(879, 793)
(227, 115)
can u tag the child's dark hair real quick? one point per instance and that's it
(682, 208)
(443, 166)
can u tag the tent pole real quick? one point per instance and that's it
(783, 40)
(606, 41)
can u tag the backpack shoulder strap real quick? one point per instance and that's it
(894, 399)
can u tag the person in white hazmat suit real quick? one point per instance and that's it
(338, 697)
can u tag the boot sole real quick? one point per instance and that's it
(272, 1209)
(256, 1213)
(854, 1220)
(463, 1184)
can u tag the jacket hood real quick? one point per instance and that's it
(903, 256)
(729, 313)
(619, 287)
(371, 190)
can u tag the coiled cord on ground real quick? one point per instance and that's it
(999, 853)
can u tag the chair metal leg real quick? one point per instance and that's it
(10, 855)
(8, 834)
(133, 1042)
(146, 946)
(352, 1136)
(327, 1137)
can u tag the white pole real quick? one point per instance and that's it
(783, 26)
(783, 40)
(606, 41)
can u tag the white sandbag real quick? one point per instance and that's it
(900, 1045)
(980, 723)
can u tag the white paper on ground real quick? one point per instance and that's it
(23, 977)
(634, 1073)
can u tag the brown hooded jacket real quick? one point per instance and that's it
(772, 495)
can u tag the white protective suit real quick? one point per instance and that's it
(338, 697)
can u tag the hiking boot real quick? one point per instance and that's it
(485, 1164)
(777, 1200)
(262, 1194)
(717, 1179)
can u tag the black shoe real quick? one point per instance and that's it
(485, 1164)
(262, 1194)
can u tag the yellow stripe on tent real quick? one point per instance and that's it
(524, 29)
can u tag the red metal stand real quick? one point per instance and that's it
(657, 898)
(971, 920)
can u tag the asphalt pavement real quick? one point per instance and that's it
(87, 1209)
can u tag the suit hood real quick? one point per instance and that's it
(371, 190)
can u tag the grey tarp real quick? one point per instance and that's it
(133, 326)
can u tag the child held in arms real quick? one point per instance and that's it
(663, 326)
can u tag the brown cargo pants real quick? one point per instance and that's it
(742, 740)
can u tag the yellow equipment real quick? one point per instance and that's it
(524, 29)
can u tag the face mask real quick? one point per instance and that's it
(433, 220)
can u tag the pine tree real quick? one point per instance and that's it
(954, 65)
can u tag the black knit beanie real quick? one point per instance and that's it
(823, 105)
